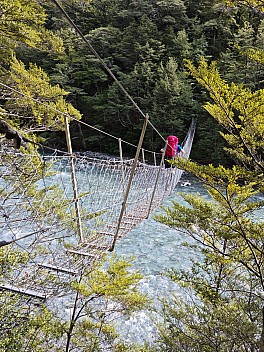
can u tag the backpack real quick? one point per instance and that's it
(172, 146)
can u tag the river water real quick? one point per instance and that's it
(157, 248)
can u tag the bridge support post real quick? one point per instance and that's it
(130, 180)
(122, 164)
(143, 155)
(154, 157)
(73, 178)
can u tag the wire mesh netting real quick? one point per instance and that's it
(52, 240)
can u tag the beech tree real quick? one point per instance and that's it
(226, 289)
(86, 319)
(23, 22)
(29, 102)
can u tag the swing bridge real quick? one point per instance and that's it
(62, 212)
(67, 210)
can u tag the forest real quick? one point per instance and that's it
(180, 61)
(145, 44)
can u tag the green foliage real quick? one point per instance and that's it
(109, 289)
(135, 43)
(22, 21)
(98, 297)
(225, 229)
(134, 38)
(115, 282)
(256, 5)
(207, 325)
(30, 103)
(173, 98)
(220, 310)
(27, 326)
(41, 104)
(10, 259)
(238, 110)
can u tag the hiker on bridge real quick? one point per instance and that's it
(173, 149)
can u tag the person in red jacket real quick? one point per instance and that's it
(173, 149)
